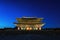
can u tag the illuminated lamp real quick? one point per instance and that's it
(22, 28)
(18, 28)
(27, 28)
(36, 28)
(39, 28)
(30, 28)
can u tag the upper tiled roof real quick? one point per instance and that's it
(29, 17)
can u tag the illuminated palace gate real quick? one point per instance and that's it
(29, 23)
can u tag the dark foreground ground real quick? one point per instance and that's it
(30, 35)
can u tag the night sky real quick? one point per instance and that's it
(47, 9)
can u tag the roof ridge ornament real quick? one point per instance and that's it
(28, 17)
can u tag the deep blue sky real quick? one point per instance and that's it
(12, 9)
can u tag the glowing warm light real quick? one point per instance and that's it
(27, 28)
(18, 28)
(36, 28)
(22, 28)
(30, 28)
(39, 28)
